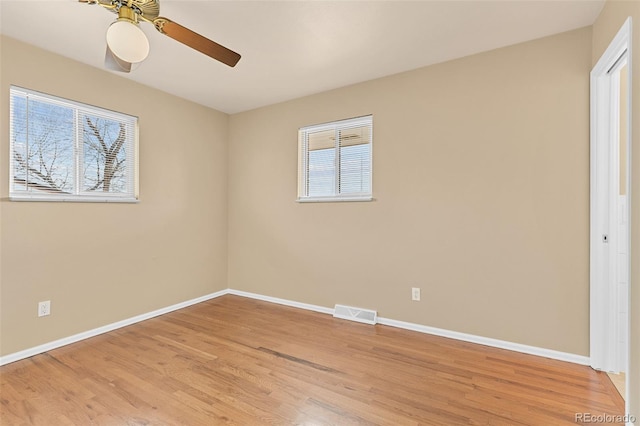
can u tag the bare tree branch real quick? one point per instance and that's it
(52, 186)
(96, 133)
(111, 166)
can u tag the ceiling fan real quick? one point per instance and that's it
(127, 44)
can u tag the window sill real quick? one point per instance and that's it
(334, 199)
(74, 199)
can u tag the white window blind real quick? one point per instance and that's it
(63, 150)
(335, 161)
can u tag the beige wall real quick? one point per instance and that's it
(481, 187)
(100, 263)
(604, 29)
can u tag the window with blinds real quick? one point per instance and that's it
(335, 161)
(63, 150)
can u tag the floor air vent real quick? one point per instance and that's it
(366, 316)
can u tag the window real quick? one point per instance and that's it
(66, 151)
(335, 161)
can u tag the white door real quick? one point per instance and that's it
(609, 242)
(620, 80)
(623, 284)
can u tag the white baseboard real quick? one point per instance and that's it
(495, 343)
(502, 344)
(517, 347)
(285, 302)
(16, 356)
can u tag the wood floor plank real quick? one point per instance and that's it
(238, 361)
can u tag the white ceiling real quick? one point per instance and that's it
(295, 48)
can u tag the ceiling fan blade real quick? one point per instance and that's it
(114, 63)
(196, 41)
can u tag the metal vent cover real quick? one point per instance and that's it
(351, 313)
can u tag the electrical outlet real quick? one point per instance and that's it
(44, 308)
(415, 294)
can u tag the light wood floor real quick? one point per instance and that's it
(619, 381)
(239, 361)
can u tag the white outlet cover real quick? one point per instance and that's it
(415, 294)
(44, 308)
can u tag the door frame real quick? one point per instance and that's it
(605, 299)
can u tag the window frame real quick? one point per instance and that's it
(303, 163)
(79, 194)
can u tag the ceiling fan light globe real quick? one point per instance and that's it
(127, 41)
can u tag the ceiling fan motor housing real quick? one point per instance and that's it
(150, 9)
